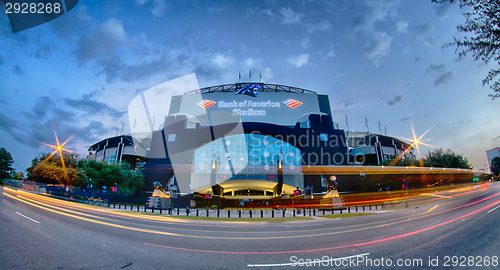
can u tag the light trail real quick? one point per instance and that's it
(62, 212)
(336, 247)
(436, 195)
(24, 200)
(432, 208)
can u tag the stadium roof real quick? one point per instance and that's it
(263, 87)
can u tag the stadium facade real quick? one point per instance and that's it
(246, 140)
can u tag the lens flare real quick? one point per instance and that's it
(59, 148)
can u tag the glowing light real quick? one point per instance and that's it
(59, 148)
(415, 142)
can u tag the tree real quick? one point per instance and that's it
(6, 162)
(483, 23)
(495, 166)
(49, 169)
(445, 159)
(102, 174)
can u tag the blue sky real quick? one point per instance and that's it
(383, 60)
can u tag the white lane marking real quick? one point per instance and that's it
(290, 264)
(27, 217)
(493, 209)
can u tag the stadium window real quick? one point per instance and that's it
(171, 137)
(323, 137)
(305, 124)
(190, 125)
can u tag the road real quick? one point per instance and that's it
(454, 227)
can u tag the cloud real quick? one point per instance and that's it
(290, 16)
(322, 25)
(406, 119)
(221, 60)
(159, 8)
(444, 78)
(395, 101)
(305, 42)
(63, 116)
(423, 28)
(402, 27)
(70, 27)
(377, 11)
(435, 68)
(442, 9)
(298, 60)
(93, 107)
(269, 13)
(378, 47)
(378, 42)
(8, 124)
(102, 42)
(18, 70)
(43, 51)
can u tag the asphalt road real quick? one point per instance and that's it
(458, 227)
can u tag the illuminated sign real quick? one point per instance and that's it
(205, 104)
(249, 112)
(292, 103)
(249, 90)
(248, 104)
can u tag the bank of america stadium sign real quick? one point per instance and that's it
(292, 103)
(249, 107)
(205, 104)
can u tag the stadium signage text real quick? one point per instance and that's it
(248, 104)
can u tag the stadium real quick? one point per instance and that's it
(242, 141)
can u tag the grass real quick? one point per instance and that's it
(347, 215)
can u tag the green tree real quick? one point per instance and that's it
(50, 170)
(6, 162)
(445, 159)
(495, 166)
(482, 34)
(102, 174)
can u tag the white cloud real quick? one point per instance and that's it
(267, 74)
(322, 25)
(222, 61)
(379, 42)
(298, 60)
(268, 12)
(102, 41)
(290, 16)
(252, 63)
(159, 8)
(378, 47)
(402, 27)
(305, 42)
